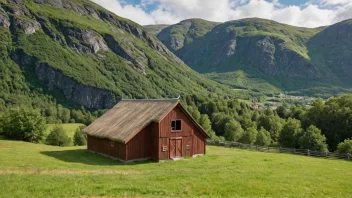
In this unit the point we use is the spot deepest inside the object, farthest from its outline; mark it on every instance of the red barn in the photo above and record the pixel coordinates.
(146, 129)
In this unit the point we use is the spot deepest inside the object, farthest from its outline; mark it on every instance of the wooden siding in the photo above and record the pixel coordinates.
(164, 155)
(189, 134)
(155, 141)
(176, 114)
(139, 146)
(198, 143)
(104, 146)
(188, 141)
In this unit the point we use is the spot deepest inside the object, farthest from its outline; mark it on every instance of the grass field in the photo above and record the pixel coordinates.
(69, 128)
(36, 170)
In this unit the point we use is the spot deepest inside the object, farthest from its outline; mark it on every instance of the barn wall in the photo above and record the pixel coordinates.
(155, 141)
(198, 143)
(104, 146)
(163, 155)
(140, 146)
(189, 133)
(176, 114)
(188, 141)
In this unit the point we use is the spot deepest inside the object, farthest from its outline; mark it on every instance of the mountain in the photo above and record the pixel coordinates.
(250, 52)
(155, 29)
(77, 53)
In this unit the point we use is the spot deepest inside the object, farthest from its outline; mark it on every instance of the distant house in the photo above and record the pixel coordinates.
(255, 106)
(146, 129)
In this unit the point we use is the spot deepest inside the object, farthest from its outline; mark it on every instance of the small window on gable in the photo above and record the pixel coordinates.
(176, 125)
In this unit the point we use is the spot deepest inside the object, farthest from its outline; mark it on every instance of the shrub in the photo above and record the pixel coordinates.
(58, 137)
(313, 139)
(249, 136)
(263, 137)
(23, 124)
(345, 146)
(233, 131)
(79, 138)
(290, 133)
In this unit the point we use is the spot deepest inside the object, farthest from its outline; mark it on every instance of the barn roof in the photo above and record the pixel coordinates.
(128, 117)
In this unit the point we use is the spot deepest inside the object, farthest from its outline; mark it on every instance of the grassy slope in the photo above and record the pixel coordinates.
(72, 172)
(185, 32)
(294, 39)
(155, 29)
(240, 79)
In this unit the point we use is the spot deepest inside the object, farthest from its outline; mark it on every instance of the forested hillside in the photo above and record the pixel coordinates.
(75, 54)
(279, 57)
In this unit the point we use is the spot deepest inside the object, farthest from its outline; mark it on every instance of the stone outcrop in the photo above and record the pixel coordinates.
(90, 41)
(28, 26)
(4, 22)
(87, 96)
(77, 92)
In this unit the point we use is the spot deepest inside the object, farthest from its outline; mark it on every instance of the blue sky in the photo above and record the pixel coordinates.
(305, 13)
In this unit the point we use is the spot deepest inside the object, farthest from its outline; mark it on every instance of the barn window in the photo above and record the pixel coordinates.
(164, 148)
(187, 147)
(112, 144)
(176, 125)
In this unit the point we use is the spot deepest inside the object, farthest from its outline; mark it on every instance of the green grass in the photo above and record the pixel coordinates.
(34, 170)
(69, 128)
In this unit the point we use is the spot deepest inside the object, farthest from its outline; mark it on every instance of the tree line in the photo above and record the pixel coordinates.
(322, 127)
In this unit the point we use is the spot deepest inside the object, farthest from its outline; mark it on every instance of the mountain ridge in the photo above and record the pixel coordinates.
(88, 55)
(280, 55)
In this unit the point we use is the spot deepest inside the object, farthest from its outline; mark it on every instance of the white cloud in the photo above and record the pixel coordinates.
(334, 2)
(312, 14)
(135, 13)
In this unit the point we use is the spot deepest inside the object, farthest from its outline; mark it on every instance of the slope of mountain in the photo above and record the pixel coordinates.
(332, 48)
(175, 37)
(80, 53)
(274, 54)
(155, 29)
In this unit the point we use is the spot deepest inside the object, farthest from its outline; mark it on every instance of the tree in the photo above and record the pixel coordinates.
(314, 113)
(248, 123)
(313, 139)
(194, 112)
(263, 137)
(204, 121)
(23, 124)
(58, 137)
(290, 133)
(345, 146)
(233, 131)
(281, 111)
(249, 136)
(2, 104)
(79, 138)
(219, 121)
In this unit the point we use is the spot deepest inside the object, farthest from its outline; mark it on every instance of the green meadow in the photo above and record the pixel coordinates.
(37, 170)
(70, 128)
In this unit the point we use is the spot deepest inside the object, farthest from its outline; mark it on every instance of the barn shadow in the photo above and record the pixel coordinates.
(83, 156)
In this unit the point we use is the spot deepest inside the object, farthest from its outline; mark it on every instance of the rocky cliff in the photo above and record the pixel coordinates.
(277, 53)
(93, 57)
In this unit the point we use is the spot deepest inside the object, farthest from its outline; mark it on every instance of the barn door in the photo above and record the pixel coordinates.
(175, 148)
